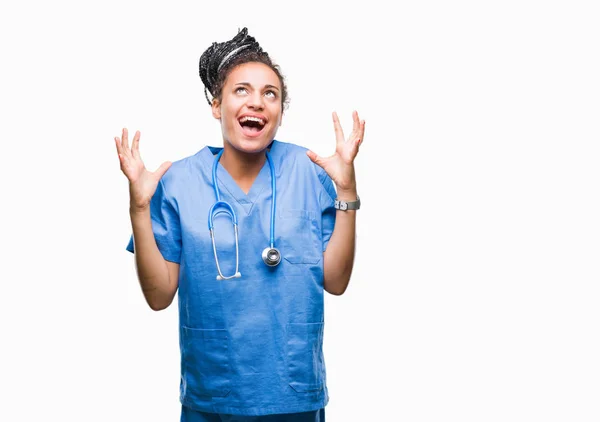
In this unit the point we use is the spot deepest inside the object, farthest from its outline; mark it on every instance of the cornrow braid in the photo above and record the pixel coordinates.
(215, 58)
(217, 61)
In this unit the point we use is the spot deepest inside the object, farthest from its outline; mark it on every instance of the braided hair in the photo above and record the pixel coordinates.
(220, 59)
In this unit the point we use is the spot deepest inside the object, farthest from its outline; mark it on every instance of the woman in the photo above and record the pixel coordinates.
(251, 293)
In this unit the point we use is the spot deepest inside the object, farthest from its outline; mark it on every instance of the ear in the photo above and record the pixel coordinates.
(216, 109)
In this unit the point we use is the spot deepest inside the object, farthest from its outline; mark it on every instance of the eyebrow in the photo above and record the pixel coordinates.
(250, 85)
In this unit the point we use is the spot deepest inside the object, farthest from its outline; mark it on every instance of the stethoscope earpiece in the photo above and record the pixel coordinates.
(271, 257)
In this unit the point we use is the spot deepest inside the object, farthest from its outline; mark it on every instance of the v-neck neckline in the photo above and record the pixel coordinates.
(226, 183)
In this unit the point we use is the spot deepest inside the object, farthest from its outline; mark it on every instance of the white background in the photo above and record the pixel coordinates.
(476, 286)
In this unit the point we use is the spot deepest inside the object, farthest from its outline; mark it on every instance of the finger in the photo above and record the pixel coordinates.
(356, 121)
(361, 134)
(160, 172)
(135, 145)
(352, 147)
(339, 133)
(123, 160)
(318, 160)
(355, 147)
(124, 141)
(118, 143)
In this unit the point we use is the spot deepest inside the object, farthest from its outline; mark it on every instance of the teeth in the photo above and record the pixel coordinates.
(253, 119)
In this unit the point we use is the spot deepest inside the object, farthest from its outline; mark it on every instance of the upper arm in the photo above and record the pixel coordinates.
(165, 225)
(173, 268)
(327, 197)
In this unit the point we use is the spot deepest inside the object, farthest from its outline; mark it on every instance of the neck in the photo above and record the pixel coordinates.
(242, 167)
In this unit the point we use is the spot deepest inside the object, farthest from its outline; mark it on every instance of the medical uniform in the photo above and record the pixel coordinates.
(251, 345)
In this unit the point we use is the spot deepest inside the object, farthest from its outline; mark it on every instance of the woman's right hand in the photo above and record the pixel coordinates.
(142, 183)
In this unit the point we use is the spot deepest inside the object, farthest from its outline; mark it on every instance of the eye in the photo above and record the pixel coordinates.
(271, 94)
(240, 90)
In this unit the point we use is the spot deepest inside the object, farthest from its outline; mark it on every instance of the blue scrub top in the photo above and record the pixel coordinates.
(251, 345)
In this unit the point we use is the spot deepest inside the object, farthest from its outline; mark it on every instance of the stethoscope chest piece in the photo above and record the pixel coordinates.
(271, 256)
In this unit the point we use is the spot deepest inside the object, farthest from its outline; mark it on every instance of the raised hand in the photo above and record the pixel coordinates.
(142, 183)
(340, 166)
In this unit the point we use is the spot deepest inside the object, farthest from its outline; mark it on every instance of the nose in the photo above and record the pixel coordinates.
(255, 101)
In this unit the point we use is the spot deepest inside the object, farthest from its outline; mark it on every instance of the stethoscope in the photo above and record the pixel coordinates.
(270, 255)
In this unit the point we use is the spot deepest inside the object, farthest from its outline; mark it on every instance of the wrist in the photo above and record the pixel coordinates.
(135, 211)
(347, 194)
(343, 203)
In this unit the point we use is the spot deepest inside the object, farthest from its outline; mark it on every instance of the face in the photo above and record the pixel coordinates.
(250, 109)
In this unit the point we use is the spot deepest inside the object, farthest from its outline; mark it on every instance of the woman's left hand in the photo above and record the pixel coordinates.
(340, 166)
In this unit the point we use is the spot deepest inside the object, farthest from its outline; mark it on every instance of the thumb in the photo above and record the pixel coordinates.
(318, 160)
(159, 173)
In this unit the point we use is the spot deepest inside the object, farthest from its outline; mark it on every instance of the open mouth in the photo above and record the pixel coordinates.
(252, 125)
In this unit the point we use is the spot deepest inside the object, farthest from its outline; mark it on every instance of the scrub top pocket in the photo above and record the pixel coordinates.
(299, 236)
(205, 361)
(306, 368)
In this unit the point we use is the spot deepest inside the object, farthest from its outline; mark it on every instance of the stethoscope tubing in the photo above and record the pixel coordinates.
(223, 207)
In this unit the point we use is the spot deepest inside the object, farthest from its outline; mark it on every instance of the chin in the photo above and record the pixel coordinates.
(251, 144)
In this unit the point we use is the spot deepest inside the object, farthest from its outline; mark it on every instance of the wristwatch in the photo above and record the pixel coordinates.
(344, 206)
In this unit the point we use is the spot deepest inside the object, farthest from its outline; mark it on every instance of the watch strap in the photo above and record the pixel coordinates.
(347, 205)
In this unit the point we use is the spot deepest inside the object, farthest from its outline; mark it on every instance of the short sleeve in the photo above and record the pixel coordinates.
(165, 225)
(327, 200)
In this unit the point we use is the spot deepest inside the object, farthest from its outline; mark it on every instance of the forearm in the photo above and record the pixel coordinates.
(152, 269)
(338, 259)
